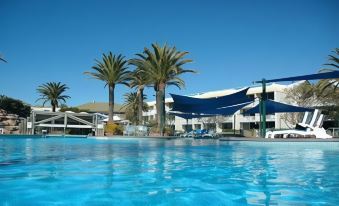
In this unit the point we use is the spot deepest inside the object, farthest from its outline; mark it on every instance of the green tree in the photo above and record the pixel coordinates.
(14, 106)
(163, 65)
(112, 70)
(307, 94)
(53, 92)
(304, 95)
(131, 106)
(140, 80)
(334, 66)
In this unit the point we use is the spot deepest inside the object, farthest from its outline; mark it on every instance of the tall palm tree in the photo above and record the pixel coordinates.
(131, 106)
(112, 70)
(334, 63)
(139, 79)
(163, 65)
(53, 92)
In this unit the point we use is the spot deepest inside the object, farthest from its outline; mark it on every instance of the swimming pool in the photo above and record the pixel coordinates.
(131, 171)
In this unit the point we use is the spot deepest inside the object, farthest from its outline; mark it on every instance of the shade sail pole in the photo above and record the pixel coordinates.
(234, 124)
(263, 105)
(186, 125)
(260, 117)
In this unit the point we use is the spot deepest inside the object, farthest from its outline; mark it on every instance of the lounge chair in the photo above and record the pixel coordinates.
(305, 129)
(187, 134)
(305, 123)
(209, 134)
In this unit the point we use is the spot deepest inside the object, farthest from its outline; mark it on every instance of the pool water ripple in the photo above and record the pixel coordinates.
(57, 171)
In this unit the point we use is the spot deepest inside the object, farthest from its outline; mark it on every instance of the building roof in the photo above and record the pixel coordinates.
(100, 107)
(43, 108)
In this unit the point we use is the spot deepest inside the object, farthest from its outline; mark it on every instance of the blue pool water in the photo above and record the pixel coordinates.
(75, 171)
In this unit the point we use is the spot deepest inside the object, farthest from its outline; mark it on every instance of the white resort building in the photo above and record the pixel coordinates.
(238, 121)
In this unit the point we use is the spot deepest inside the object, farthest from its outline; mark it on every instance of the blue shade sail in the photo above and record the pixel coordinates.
(277, 107)
(323, 75)
(198, 105)
(230, 110)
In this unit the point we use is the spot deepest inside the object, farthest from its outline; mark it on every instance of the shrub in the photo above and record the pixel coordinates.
(169, 131)
(113, 129)
(14, 106)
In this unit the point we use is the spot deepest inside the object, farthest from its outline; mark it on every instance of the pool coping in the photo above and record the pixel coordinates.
(276, 140)
(82, 136)
(225, 139)
(133, 137)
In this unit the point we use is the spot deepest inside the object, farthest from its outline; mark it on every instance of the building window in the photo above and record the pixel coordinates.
(227, 125)
(249, 125)
(245, 125)
(255, 125)
(251, 97)
(210, 126)
(270, 124)
(197, 126)
(270, 95)
(244, 114)
(187, 127)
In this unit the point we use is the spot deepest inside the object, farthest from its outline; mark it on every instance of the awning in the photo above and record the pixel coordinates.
(230, 110)
(323, 75)
(186, 104)
(278, 107)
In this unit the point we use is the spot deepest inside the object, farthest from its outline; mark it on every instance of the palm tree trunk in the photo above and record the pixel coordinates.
(141, 104)
(110, 103)
(53, 107)
(158, 111)
(157, 102)
(161, 116)
(164, 108)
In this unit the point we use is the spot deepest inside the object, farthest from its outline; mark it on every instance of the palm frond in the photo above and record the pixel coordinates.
(112, 69)
(325, 84)
(2, 59)
(52, 92)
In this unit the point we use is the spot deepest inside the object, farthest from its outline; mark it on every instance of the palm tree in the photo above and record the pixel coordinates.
(53, 92)
(131, 106)
(112, 70)
(334, 62)
(2, 59)
(163, 65)
(139, 79)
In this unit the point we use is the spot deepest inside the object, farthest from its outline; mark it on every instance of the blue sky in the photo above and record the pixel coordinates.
(232, 43)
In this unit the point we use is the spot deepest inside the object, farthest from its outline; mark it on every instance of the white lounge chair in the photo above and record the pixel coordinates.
(309, 120)
(313, 129)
